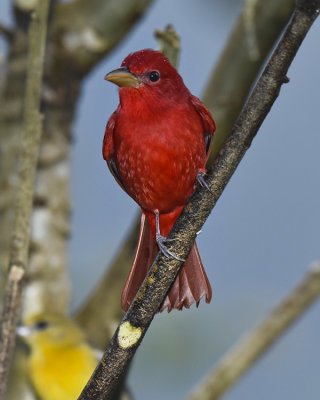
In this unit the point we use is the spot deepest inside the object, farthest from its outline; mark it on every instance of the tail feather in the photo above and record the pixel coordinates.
(190, 285)
(146, 252)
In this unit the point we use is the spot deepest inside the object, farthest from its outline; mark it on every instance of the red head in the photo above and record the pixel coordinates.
(148, 73)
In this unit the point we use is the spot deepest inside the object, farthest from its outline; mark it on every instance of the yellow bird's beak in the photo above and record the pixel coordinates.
(123, 78)
(23, 331)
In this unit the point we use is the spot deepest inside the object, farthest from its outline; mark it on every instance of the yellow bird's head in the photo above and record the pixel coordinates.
(60, 361)
(50, 330)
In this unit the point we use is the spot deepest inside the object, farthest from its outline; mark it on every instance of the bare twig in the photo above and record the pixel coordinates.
(5, 32)
(136, 321)
(240, 358)
(28, 161)
(169, 44)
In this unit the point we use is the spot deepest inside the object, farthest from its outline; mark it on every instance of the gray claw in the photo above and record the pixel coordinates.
(202, 182)
(163, 248)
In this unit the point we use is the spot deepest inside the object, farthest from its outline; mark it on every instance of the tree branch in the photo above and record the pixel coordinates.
(86, 30)
(28, 162)
(103, 309)
(241, 357)
(5, 32)
(136, 321)
(169, 44)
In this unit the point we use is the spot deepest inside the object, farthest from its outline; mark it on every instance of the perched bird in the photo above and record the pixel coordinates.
(60, 361)
(156, 145)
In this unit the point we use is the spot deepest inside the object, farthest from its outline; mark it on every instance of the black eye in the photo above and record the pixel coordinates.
(154, 76)
(41, 325)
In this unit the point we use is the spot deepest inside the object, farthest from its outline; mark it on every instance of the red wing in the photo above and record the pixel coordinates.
(207, 120)
(108, 149)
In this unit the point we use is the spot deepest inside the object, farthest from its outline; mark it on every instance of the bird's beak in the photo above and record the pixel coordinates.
(23, 331)
(123, 78)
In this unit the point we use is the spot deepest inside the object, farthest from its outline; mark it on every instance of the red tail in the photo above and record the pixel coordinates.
(190, 285)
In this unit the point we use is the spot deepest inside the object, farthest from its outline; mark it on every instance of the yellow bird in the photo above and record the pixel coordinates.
(60, 361)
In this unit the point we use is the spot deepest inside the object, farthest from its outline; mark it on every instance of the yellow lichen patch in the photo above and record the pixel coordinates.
(150, 280)
(128, 335)
(141, 292)
(155, 268)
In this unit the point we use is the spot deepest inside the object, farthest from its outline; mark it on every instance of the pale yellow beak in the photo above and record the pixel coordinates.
(123, 78)
(23, 331)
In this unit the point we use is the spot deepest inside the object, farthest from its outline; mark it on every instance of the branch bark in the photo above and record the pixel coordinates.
(28, 162)
(136, 321)
(240, 358)
(11, 111)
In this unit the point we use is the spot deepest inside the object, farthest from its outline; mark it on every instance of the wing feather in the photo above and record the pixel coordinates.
(207, 120)
(108, 148)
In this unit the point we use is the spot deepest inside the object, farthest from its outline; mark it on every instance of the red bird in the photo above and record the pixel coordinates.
(156, 145)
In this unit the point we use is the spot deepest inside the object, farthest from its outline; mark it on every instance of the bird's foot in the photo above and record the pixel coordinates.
(201, 181)
(162, 239)
(163, 248)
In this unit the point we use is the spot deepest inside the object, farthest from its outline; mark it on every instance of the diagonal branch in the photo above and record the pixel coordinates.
(136, 321)
(241, 357)
(5, 32)
(30, 148)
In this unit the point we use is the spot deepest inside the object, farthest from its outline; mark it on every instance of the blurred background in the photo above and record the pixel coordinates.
(259, 241)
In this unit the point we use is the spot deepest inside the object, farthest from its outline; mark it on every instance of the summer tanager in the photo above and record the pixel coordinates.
(156, 145)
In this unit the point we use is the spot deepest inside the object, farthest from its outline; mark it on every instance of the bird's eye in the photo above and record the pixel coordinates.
(41, 325)
(154, 76)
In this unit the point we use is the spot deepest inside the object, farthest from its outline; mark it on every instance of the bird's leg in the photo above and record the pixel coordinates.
(200, 179)
(161, 240)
